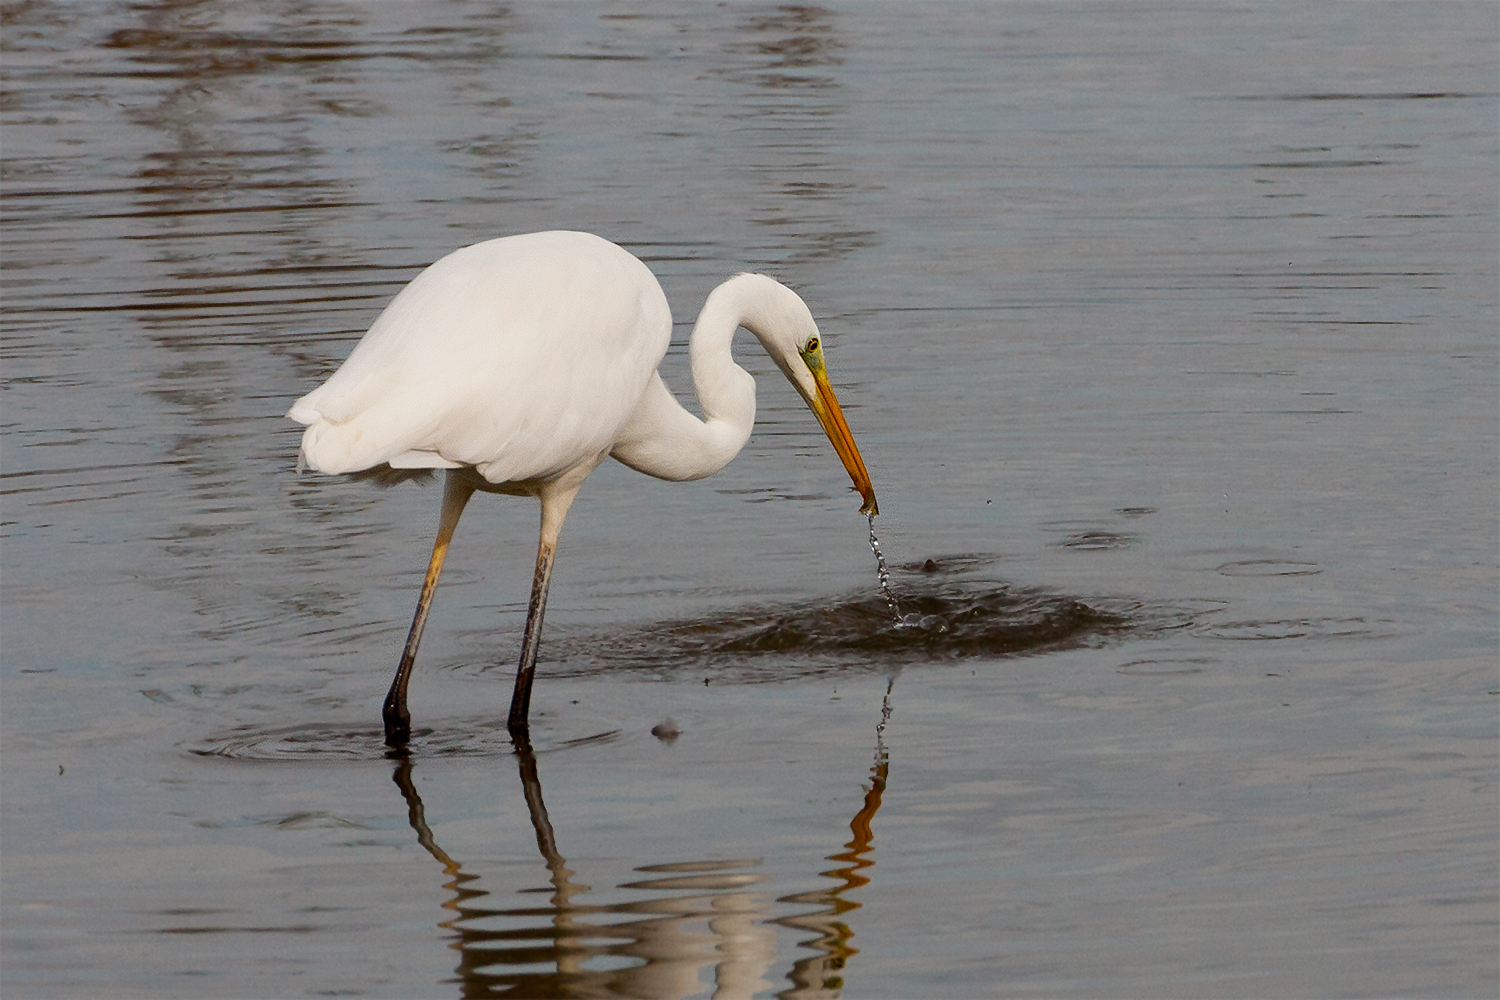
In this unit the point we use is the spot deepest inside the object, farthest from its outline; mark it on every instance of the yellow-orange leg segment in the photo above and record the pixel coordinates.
(458, 486)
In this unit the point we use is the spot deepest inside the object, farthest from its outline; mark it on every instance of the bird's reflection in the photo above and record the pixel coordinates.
(694, 914)
(821, 974)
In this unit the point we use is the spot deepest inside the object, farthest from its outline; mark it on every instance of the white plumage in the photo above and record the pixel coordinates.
(520, 363)
(451, 373)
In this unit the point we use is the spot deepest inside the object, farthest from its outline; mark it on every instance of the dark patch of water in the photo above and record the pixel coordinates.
(943, 618)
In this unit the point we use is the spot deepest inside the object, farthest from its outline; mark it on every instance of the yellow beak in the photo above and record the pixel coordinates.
(826, 408)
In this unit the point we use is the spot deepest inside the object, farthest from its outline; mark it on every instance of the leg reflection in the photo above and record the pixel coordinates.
(416, 815)
(679, 921)
(672, 933)
(485, 952)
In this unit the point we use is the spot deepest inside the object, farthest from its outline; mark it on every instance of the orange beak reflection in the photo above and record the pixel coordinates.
(826, 408)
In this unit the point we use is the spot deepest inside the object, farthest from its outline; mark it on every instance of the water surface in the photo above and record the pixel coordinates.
(1167, 333)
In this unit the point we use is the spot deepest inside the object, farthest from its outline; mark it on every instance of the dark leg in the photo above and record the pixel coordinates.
(556, 498)
(520, 702)
(457, 488)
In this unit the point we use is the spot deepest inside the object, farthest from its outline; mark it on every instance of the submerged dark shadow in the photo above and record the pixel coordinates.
(688, 916)
(946, 614)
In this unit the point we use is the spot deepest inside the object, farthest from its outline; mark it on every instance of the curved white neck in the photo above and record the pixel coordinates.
(663, 439)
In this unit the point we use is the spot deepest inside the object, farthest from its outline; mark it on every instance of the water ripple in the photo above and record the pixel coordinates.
(324, 742)
(943, 619)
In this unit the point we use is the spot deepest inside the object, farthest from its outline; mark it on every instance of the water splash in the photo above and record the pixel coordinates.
(884, 573)
(948, 613)
(930, 623)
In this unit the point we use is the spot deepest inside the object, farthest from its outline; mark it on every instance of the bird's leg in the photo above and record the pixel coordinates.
(520, 702)
(555, 504)
(457, 488)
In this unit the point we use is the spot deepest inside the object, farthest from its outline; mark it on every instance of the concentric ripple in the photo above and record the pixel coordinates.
(479, 737)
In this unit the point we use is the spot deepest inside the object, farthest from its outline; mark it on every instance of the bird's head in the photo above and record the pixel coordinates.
(786, 328)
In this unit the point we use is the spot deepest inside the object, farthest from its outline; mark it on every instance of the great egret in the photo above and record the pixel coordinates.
(519, 364)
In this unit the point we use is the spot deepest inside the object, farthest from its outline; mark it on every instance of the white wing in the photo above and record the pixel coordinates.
(521, 356)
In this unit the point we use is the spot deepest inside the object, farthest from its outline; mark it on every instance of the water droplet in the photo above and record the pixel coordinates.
(885, 717)
(884, 573)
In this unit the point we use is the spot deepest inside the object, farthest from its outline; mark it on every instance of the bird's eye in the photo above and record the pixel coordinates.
(812, 345)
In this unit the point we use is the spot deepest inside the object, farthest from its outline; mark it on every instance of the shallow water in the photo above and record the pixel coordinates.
(1167, 333)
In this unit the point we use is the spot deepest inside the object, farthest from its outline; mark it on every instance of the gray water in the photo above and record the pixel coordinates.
(1168, 333)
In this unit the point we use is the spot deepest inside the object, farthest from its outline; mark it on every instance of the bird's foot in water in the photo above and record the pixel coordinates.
(397, 728)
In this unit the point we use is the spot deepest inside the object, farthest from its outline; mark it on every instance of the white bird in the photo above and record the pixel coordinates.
(519, 364)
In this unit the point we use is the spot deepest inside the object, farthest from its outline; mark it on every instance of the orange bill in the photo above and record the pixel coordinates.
(826, 408)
